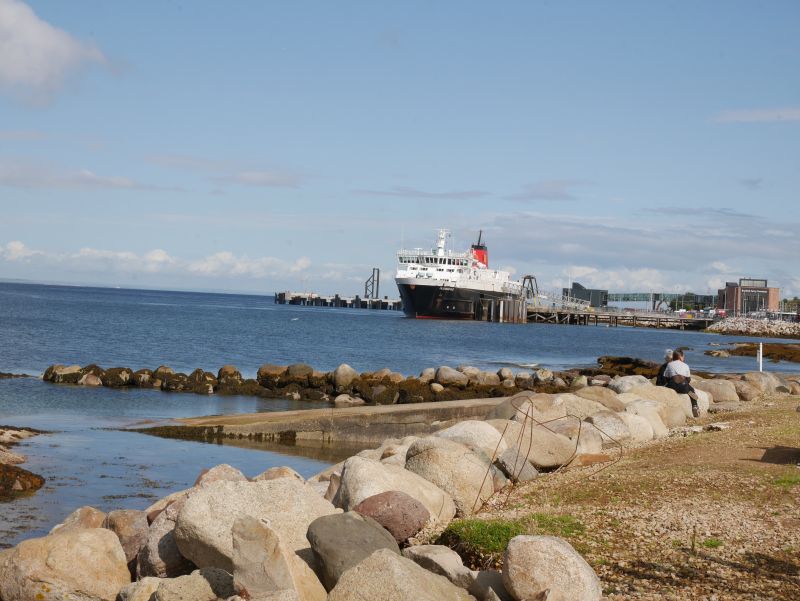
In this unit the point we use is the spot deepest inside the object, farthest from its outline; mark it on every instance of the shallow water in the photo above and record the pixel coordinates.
(86, 460)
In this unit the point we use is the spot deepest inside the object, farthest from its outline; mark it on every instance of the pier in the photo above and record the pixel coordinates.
(312, 299)
(610, 318)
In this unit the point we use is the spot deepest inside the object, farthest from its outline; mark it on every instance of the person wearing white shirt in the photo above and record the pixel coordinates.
(678, 375)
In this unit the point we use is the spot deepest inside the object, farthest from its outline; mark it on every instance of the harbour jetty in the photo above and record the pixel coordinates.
(312, 299)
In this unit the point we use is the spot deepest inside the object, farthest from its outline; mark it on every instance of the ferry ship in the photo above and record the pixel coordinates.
(442, 284)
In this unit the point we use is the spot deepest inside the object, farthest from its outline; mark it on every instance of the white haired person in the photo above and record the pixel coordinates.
(660, 379)
(678, 377)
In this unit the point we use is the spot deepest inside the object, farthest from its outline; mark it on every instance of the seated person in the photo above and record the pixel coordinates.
(678, 377)
(660, 379)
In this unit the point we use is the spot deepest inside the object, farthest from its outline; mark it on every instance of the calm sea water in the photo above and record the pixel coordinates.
(87, 462)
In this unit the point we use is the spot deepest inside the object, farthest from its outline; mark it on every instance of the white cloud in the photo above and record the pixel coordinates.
(17, 251)
(36, 58)
(768, 115)
(269, 179)
(554, 189)
(32, 175)
(156, 261)
(408, 192)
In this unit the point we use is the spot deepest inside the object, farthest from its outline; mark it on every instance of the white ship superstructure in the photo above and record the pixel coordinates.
(442, 283)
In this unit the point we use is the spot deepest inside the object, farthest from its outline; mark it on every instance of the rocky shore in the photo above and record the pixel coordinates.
(14, 480)
(743, 326)
(357, 530)
(344, 386)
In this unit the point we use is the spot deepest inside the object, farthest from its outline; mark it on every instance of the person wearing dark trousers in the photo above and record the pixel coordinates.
(678, 376)
(660, 379)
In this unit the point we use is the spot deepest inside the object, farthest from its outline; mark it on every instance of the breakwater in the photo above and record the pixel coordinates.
(344, 386)
(743, 326)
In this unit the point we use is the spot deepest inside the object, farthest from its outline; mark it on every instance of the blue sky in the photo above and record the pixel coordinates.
(260, 146)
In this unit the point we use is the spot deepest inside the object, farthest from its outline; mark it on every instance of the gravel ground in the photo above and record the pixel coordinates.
(710, 516)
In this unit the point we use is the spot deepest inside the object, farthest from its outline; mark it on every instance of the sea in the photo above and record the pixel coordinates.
(88, 458)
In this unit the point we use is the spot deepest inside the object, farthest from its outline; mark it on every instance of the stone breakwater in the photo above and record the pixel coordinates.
(742, 326)
(352, 532)
(14, 480)
(343, 386)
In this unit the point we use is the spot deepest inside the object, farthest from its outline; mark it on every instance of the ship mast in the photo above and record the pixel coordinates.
(441, 242)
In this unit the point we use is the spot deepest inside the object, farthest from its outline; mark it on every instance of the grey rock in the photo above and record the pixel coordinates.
(204, 525)
(514, 465)
(388, 576)
(343, 540)
(131, 527)
(263, 566)
(363, 478)
(461, 472)
(343, 377)
(208, 584)
(536, 567)
(159, 556)
(447, 376)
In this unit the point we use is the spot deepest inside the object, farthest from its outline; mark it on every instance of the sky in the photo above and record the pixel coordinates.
(262, 146)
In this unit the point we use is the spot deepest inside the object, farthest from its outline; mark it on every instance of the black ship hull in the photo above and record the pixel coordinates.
(445, 302)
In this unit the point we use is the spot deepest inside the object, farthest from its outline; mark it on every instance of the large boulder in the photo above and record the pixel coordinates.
(159, 556)
(515, 466)
(611, 427)
(747, 391)
(219, 473)
(721, 391)
(544, 448)
(586, 439)
(262, 565)
(204, 525)
(547, 567)
(649, 410)
(455, 468)
(131, 527)
(83, 564)
(141, 590)
(620, 384)
(15, 480)
(276, 472)
(604, 396)
(117, 377)
(343, 377)
(447, 376)
(640, 428)
(387, 576)
(83, 517)
(477, 435)
(362, 478)
(401, 514)
(269, 375)
(343, 540)
(208, 584)
(537, 407)
(765, 381)
(443, 561)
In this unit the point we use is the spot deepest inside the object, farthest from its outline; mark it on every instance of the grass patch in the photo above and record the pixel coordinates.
(712, 543)
(557, 525)
(481, 543)
(485, 537)
(787, 481)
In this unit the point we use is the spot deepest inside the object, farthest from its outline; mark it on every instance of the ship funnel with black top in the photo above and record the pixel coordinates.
(479, 251)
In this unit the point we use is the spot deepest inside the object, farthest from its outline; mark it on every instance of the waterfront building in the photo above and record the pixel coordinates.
(748, 295)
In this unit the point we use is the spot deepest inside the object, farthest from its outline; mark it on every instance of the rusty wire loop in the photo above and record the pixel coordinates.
(534, 423)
